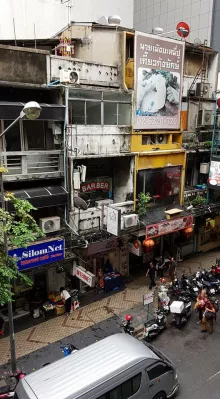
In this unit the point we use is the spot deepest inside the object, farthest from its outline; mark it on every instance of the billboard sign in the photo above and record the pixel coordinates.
(38, 254)
(168, 226)
(158, 82)
(214, 173)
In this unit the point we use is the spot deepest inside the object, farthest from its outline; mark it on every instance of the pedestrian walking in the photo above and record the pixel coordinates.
(151, 274)
(160, 267)
(172, 269)
(208, 317)
(65, 296)
(200, 305)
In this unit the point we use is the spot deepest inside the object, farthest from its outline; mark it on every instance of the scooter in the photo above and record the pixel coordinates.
(214, 282)
(181, 310)
(163, 296)
(11, 380)
(201, 283)
(155, 326)
(126, 326)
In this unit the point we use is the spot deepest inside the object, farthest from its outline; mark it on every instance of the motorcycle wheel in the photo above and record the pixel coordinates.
(148, 339)
(11, 382)
(178, 321)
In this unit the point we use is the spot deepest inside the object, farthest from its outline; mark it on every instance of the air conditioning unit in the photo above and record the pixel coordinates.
(69, 76)
(161, 139)
(49, 225)
(105, 202)
(130, 220)
(205, 118)
(203, 89)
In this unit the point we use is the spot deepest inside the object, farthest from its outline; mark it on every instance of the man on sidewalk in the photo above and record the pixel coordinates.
(151, 274)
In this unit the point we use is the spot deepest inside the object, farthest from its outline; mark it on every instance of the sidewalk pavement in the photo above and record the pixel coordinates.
(39, 336)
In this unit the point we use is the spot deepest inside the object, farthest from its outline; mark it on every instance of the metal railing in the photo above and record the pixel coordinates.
(22, 164)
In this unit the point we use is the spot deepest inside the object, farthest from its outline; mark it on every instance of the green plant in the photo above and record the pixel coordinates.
(21, 229)
(198, 200)
(142, 203)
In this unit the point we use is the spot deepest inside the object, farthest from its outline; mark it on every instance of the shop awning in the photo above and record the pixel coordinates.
(42, 197)
(50, 112)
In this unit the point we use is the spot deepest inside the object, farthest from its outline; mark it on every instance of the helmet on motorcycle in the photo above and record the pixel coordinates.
(128, 317)
(163, 280)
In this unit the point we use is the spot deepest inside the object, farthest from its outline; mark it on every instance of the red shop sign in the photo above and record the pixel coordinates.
(95, 186)
(168, 226)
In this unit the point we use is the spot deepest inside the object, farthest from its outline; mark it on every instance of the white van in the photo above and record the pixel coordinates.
(117, 367)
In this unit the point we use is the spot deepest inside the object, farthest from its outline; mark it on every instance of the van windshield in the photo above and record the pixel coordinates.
(158, 353)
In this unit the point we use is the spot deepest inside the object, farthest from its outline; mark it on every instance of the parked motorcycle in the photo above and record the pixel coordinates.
(214, 282)
(11, 380)
(201, 283)
(155, 326)
(163, 296)
(126, 326)
(181, 310)
(183, 287)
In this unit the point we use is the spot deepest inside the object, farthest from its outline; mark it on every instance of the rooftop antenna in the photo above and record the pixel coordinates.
(14, 32)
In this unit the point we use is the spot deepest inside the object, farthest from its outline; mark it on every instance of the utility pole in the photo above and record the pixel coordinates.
(10, 310)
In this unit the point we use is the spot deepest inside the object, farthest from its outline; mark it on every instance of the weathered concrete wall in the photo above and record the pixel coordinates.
(98, 140)
(90, 73)
(22, 65)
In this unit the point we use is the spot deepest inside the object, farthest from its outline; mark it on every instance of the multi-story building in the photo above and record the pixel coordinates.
(22, 19)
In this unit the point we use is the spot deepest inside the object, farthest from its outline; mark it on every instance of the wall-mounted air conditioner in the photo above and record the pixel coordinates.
(161, 138)
(130, 220)
(203, 89)
(69, 76)
(105, 202)
(205, 118)
(50, 224)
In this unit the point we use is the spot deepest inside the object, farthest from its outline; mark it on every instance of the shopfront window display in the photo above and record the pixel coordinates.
(163, 184)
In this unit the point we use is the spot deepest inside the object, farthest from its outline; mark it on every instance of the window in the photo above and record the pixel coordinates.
(125, 390)
(98, 108)
(110, 114)
(163, 184)
(93, 113)
(77, 112)
(158, 370)
(38, 135)
(12, 137)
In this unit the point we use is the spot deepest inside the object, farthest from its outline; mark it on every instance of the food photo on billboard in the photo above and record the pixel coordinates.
(158, 82)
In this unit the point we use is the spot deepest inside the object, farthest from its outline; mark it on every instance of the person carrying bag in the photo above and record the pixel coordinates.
(208, 316)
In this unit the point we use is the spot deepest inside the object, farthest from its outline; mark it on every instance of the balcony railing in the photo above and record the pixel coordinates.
(32, 164)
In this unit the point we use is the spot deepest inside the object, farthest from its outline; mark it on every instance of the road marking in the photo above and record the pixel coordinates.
(213, 376)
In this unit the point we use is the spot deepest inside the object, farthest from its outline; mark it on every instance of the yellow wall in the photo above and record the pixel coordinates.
(174, 141)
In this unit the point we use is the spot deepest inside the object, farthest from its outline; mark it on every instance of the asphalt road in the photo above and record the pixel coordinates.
(195, 355)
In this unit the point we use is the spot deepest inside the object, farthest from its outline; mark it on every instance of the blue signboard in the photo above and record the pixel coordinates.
(38, 254)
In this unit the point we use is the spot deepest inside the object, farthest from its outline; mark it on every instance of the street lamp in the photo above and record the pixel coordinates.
(31, 111)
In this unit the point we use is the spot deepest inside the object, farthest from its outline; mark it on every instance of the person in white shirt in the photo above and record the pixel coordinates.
(65, 296)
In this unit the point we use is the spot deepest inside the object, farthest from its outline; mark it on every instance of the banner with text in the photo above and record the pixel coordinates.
(158, 82)
(38, 254)
(168, 226)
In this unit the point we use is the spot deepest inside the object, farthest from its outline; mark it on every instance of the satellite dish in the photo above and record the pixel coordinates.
(157, 31)
(80, 203)
(197, 42)
(114, 20)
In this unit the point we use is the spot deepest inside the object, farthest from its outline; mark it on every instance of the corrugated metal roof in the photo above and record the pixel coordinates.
(86, 369)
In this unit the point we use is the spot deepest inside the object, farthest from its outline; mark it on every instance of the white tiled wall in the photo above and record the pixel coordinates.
(149, 14)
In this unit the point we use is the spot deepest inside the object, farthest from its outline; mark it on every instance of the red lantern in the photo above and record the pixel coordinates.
(136, 244)
(149, 244)
(188, 231)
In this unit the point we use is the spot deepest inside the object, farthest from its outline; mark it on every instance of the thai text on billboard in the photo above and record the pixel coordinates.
(158, 82)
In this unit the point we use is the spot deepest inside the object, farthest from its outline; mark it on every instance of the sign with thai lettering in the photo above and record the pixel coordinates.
(85, 276)
(38, 254)
(168, 226)
(158, 82)
(148, 298)
(94, 186)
